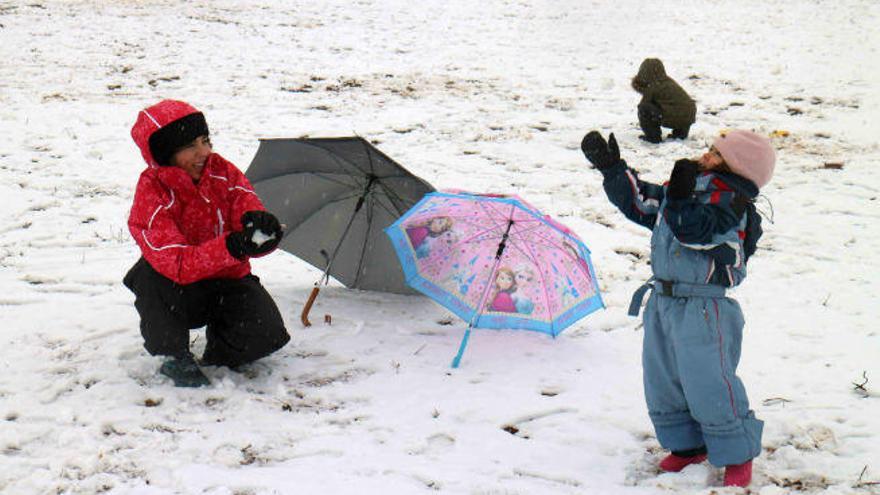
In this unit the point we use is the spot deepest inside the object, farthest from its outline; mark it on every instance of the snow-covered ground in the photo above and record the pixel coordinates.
(488, 96)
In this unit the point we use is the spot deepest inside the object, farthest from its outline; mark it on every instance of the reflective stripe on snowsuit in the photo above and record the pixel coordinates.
(690, 353)
(693, 334)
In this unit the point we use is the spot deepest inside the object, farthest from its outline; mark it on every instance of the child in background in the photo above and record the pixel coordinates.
(704, 229)
(664, 103)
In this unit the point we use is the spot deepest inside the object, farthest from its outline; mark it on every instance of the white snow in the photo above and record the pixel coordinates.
(260, 237)
(489, 96)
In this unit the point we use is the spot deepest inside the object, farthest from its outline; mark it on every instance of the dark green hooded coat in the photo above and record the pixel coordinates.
(679, 110)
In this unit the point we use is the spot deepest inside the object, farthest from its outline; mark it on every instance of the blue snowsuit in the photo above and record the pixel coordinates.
(693, 334)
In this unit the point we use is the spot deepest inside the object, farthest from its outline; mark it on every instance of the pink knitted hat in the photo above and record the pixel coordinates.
(747, 154)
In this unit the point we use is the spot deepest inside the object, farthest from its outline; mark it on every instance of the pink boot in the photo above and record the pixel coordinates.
(738, 475)
(674, 463)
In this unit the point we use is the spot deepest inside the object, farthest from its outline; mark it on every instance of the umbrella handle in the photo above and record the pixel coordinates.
(304, 317)
(464, 342)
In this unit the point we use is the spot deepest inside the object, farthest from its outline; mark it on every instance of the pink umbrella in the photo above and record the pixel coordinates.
(495, 261)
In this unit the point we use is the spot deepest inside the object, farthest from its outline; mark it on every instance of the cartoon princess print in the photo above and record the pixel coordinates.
(524, 277)
(421, 236)
(505, 286)
(567, 289)
(581, 262)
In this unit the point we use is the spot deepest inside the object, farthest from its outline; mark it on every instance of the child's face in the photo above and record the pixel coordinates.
(711, 159)
(191, 158)
(504, 280)
(438, 224)
(523, 277)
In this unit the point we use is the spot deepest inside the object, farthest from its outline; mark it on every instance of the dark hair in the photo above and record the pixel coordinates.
(723, 167)
(165, 142)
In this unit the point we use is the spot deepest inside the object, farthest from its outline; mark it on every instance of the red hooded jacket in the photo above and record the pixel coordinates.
(181, 226)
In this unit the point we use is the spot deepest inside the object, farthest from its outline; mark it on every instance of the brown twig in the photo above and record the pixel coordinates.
(861, 386)
(859, 483)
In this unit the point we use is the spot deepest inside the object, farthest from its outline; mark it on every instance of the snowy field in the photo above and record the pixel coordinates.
(489, 96)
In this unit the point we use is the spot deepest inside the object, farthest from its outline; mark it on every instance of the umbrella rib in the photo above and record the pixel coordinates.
(464, 219)
(391, 194)
(406, 174)
(338, 159)
(467, 218)
(485, 231)
(537, 224)
(458, 243)
(338, 245)
(324, 205)
(548, 242)
(475, 235)
(541, 239)
(370, 152)
(553, 245)
(521, 245)
(385, 207)
(496, 208)
(496, 228)
(369, 213)
(323, 175)
(544, 284)
(483, 207)
(364, 195)
(547, 245)
(500, 253)
(369, 155)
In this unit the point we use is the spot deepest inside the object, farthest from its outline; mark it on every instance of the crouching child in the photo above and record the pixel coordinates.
(197, 222)
(664, 103)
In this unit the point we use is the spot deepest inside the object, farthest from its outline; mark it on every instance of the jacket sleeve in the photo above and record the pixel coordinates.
(241, 195)
(155, 230)
(648, 94)
(637, 200)
(707, 222)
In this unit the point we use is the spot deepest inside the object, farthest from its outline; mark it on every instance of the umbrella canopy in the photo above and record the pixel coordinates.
(496, 262)
(336, 195)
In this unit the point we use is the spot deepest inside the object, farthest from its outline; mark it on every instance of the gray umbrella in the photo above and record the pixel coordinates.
(335, 196)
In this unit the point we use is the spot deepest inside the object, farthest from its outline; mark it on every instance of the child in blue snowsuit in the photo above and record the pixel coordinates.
(704, 228)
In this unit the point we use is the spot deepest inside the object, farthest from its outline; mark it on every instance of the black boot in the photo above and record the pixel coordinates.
(650, 118)
(184, 371)
(679, 133)
(211, 362)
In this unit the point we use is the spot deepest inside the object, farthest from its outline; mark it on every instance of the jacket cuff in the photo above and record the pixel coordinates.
(618, 168)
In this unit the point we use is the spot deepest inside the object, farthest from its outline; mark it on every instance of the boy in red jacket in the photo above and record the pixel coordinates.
(197, 221)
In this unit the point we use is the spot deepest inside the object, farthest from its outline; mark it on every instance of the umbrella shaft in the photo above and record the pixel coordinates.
(357, 208)
(503, 243)
(501, 246)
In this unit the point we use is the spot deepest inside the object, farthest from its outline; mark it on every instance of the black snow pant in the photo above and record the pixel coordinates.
(243, 322)
(650, 120)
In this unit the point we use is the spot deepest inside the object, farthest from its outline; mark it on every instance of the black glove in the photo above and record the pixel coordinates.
(262, 223)
(683, 179)
(601, 154)
(740, 204)
(262, 220)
